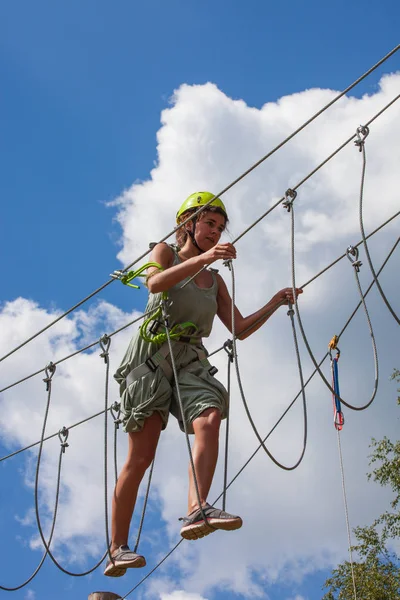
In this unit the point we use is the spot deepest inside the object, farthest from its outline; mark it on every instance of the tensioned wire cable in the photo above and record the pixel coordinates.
(300, 183)
(234, 241)
(264, 317)
(254, 166)
(254, 453)
(270, 432)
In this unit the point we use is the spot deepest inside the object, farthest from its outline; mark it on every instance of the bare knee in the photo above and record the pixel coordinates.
(139, 462)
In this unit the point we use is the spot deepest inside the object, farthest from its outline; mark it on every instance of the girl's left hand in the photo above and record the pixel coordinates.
(286, 295)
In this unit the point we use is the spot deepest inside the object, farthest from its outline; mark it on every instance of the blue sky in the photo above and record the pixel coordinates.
(83, 88)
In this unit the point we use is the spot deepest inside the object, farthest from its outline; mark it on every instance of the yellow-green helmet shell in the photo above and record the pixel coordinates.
(200, 199)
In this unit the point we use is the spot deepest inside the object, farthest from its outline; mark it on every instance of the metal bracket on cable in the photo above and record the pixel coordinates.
(362, 132)
(63, 436)
(115, 410)
(290, 312)
(228, 263)
(353, 251)
(49, 370)
(228, 347)
(105, 342)
(290, 196)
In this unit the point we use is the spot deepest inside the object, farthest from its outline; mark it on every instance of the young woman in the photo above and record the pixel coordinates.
(147, 386)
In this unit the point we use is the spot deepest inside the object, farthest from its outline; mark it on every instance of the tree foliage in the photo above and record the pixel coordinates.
(377, 567)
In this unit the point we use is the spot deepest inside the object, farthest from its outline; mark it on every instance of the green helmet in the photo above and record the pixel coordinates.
(200, 199)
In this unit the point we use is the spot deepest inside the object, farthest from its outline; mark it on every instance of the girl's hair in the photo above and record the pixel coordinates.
(182, 234)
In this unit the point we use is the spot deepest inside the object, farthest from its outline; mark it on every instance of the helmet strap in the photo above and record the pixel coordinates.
(191, 234)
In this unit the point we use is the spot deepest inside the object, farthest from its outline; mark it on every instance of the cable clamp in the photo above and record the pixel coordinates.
(290, 312)
(290, 196)
(228, 263)
(117, 274)
(115, 410)
(49, 370)
(228, 347)
(362, 132)
(63, 436)
(353, 251)
(105, 342)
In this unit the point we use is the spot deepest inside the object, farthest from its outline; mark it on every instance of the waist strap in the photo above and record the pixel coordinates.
(159, 359)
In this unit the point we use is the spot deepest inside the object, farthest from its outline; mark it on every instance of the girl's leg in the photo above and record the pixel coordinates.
(205, 455)
(142, 448)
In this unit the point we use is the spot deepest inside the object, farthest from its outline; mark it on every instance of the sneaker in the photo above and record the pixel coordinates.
(195, 527)
(123, 559)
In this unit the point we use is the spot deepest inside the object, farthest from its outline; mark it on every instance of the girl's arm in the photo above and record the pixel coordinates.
(160, 281)
(251, 323)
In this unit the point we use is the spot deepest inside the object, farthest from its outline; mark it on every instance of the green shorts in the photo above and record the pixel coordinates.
(154, 392)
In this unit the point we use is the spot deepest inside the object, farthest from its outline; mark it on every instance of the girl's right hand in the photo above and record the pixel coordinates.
(225, 251)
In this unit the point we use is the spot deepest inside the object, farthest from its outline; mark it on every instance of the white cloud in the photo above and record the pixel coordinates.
(30, 595)
(293, 521)
(181, 595)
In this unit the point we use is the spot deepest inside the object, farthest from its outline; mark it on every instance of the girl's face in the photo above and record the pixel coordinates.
(209, 229)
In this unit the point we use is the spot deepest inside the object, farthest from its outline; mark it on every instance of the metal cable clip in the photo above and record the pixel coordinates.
(117, 274)
(290, 312)
(63, 436)
(105, 342)
(353, 251)
(290, 196)
(49, 370)
(228, 347)
(115, 415)
(362, 132)
(228, 263)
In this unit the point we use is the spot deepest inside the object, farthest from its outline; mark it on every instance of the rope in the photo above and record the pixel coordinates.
(50, 370)
(178, 393)
(228, 348)
(226, 487)
(346, 512)
(105, 342)
(358, 408)
(253, 425)
(19, 587)
(144, 506)
(254, 166)
(222, 347)
(58, 362)
(360, 142)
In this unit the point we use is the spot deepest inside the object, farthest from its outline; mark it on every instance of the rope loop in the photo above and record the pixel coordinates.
(63, 436)
(105, 342)
(362, 132)
(290, 196)
(353, 251)
(50, 369)
(228, 347)
(115, 410)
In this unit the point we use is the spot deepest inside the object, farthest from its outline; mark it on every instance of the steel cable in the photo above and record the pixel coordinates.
(310, 352)
(268, 435)
(242, 394)
(254, 166)
(361, 145)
